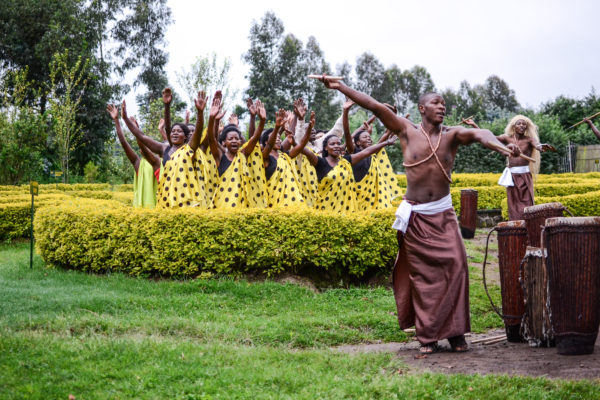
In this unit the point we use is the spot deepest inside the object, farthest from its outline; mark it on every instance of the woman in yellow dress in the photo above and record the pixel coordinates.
(375, 182)
(236, 179)
(182, 182)
(283, 186)
(336, 190)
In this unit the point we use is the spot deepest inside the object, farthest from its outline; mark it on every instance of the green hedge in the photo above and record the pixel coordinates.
(581, 205)
(100, 235)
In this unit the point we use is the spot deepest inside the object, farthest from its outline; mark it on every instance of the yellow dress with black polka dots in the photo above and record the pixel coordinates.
(211, 174)
(336, 189)
(387, 177)
(282, 187)
(255, 180)
(231, 191)
(179, 184)
(379, 186)
(307, 180)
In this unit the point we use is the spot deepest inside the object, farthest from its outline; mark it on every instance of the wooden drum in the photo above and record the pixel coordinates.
(535, 217)
(536, 321)
(468, 213)
(574, 282)
(512, 244)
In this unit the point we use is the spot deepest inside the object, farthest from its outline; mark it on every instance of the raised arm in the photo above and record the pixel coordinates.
(288, 129)
(252, 111)
(146, 153)
(200, 103)
(304, 141)
(152, 144)
(167, 97)
(592, 126)
(262, 115)
(161, 130)
(300, 113)
(279, 121)
(131, 156)
(372, 150)
(215, 108)
(346, 124)
(487, 139)
(391, 121)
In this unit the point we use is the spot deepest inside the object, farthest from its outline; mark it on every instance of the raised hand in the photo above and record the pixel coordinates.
(113, 111)
(215, 107)
(348, 104)
(251, 107)
(330, 83)
(289, 120)
(221, 113)
(187, 117)
(233, 120)
(300, 109)
(262, 112)
(124, 110)
(200, 101)
(391, 140)
(312, 118)
(161, 124)
(280, 118)
(368, 127)
(167, 96)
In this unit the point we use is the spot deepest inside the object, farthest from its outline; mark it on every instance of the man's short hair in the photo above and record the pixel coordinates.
(423, 98)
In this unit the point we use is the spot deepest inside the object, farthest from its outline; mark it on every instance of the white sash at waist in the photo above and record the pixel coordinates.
(405, 209)
(506, 177)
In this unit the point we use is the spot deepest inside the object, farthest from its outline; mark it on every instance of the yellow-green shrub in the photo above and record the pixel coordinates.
(488, 179)
(92, 236)
(15, 215)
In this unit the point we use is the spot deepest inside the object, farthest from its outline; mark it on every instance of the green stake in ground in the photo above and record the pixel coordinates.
(33, 188)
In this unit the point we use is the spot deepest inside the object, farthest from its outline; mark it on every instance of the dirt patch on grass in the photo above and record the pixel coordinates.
(501, 358)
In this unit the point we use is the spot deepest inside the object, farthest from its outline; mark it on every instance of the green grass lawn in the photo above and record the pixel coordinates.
(113, 336)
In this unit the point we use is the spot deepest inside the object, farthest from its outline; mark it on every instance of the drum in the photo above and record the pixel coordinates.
(468, 213)
(512, 244)
(535, 217)
(574, 282)
(536, 326)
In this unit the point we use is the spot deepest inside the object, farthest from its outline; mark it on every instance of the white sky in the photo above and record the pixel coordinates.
(542, 49)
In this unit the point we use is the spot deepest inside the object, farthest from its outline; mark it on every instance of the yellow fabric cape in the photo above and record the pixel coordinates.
(283, 189)
(379, 187)
(336, 189)
(179, 184)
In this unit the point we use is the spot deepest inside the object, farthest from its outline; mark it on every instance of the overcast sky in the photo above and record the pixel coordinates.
(541, 48)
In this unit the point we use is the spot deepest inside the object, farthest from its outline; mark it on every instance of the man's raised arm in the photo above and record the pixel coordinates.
(387, 117)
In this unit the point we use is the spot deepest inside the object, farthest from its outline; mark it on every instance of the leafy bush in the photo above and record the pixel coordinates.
(100, 235)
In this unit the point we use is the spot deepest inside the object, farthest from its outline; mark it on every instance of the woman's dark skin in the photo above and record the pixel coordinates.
(131, 156)
(233, 140)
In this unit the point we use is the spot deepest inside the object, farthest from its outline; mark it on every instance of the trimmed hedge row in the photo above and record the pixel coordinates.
(62, 187)
(15, 210)
(472, 180)
(581, 205)
(101, 235)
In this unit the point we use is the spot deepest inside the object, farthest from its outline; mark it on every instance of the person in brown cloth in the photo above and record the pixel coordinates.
(430, 278)
(518, 176)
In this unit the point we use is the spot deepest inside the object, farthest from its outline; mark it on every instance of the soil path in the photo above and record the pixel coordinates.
(501, 358)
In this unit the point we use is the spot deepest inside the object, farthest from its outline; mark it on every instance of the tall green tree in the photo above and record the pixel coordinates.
(279, 65)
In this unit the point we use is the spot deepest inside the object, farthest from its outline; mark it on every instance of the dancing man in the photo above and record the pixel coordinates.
(430, 278)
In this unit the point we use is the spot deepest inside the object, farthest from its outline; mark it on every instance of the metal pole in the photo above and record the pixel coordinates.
(31, 236)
